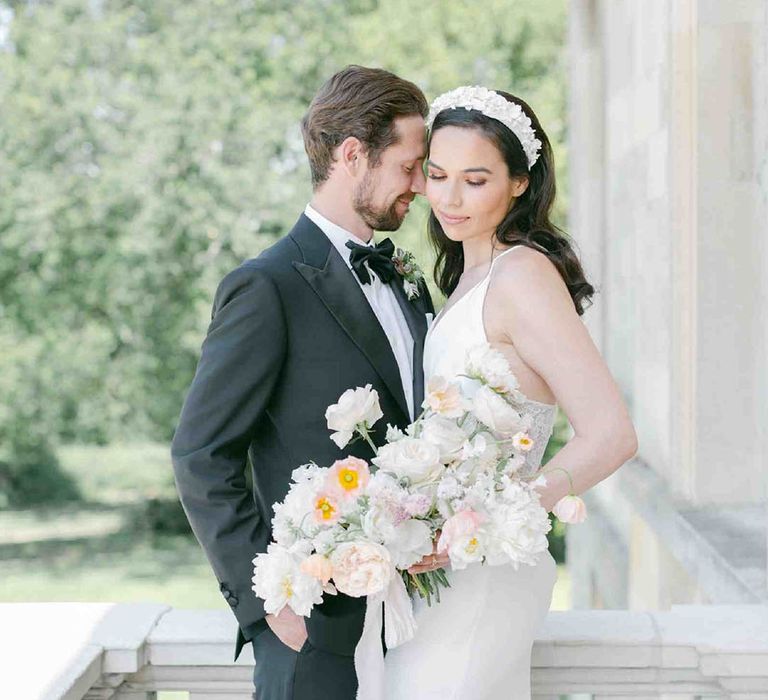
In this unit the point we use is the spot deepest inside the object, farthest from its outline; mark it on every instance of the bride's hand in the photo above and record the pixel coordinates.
(431, 562)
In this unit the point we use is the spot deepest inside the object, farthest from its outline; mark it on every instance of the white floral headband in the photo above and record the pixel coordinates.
(492, 105)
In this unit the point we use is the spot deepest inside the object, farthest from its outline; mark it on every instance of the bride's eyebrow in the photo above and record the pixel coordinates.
(467, 170)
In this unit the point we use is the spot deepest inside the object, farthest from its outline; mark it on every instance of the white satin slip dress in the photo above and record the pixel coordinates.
(476, 643)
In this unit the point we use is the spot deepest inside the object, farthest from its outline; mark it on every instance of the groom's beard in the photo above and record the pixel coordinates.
(377, 219)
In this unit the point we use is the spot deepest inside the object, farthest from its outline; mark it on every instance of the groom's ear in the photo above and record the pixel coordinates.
(351, 156)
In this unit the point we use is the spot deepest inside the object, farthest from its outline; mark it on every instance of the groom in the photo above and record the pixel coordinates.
(321, 311)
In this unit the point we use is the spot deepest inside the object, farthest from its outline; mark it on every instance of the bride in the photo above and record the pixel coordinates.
(512, 279)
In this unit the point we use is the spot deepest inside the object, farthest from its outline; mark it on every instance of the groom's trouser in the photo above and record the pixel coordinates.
(310, 674)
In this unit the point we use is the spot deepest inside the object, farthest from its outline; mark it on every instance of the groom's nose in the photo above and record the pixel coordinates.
(418, 181)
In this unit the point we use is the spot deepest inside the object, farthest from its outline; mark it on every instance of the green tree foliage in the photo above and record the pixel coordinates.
(148, 147)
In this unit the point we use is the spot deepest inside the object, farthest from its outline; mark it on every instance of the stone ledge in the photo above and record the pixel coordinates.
(138, 649)
(720, 578)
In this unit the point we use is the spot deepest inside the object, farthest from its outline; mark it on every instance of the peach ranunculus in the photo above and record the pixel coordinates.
(570, 509)
(361, 568)
(318, 566)
(457, 527)
(347, 478)
(325, 509)
(444, 397)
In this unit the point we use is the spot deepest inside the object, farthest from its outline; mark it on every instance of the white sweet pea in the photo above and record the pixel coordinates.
(513, 464)
(393, 433)
(448, 488)
(278, 579)
(355, 407)
(492, 410)
(482, 449)
(412, 458)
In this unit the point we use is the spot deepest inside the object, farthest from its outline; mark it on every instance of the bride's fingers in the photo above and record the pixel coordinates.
(431, 562)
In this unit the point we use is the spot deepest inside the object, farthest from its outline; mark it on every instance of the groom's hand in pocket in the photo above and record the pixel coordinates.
(289, 628)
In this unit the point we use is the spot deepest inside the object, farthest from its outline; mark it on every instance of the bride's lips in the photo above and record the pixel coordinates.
(453, 220)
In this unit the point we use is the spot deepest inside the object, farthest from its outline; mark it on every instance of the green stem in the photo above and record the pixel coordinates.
(363, 432)
(567, 473)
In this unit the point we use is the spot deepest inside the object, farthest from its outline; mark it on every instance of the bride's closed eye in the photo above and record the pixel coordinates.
(473, 183)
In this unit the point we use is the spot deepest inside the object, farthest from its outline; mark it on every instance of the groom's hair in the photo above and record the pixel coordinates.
(360, 102)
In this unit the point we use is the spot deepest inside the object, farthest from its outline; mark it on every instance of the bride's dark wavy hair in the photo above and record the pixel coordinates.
(527, 222)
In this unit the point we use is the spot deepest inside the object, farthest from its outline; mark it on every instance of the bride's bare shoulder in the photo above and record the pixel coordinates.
(524, 273)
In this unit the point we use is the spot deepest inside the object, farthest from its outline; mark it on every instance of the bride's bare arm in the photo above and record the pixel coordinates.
(530, 304)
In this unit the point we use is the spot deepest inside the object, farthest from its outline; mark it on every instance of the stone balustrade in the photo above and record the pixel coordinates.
(71, 651)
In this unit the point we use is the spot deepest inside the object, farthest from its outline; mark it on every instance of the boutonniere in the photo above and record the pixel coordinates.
(407, 267)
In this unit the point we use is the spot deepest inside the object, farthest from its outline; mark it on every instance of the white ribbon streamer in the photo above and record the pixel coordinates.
(399, 627)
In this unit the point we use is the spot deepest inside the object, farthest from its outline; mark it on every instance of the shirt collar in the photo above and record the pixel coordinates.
(336, 234)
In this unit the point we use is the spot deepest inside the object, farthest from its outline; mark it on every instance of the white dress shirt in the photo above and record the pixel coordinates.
(382, 300)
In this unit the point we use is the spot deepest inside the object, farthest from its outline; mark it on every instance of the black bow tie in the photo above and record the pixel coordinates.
(378, 257)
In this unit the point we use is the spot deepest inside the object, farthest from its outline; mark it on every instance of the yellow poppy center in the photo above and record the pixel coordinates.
(472, 546)
(326, 508)
(287, 587)
(348, 479)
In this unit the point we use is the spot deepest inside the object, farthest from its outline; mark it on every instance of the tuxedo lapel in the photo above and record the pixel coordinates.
(417, 324)
(325, 271)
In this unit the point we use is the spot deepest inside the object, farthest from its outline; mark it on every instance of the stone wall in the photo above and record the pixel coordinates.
(669, 204)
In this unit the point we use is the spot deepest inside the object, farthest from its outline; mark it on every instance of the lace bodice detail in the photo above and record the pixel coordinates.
(461, 327)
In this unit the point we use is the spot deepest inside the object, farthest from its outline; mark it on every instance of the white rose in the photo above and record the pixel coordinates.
(361, 568)
(448, 437)
(355, 407)
(493, 411)
(410, 457)
(489, 365)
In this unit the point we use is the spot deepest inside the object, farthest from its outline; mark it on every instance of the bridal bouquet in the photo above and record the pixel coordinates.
(451, 476)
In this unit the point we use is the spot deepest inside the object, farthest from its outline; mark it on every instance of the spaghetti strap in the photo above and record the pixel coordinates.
(477, 291)
(501, 255)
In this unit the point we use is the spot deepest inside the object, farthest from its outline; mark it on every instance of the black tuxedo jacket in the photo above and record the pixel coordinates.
(290, 331)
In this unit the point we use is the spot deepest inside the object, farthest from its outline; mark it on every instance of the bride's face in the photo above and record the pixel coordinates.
(468, 183)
